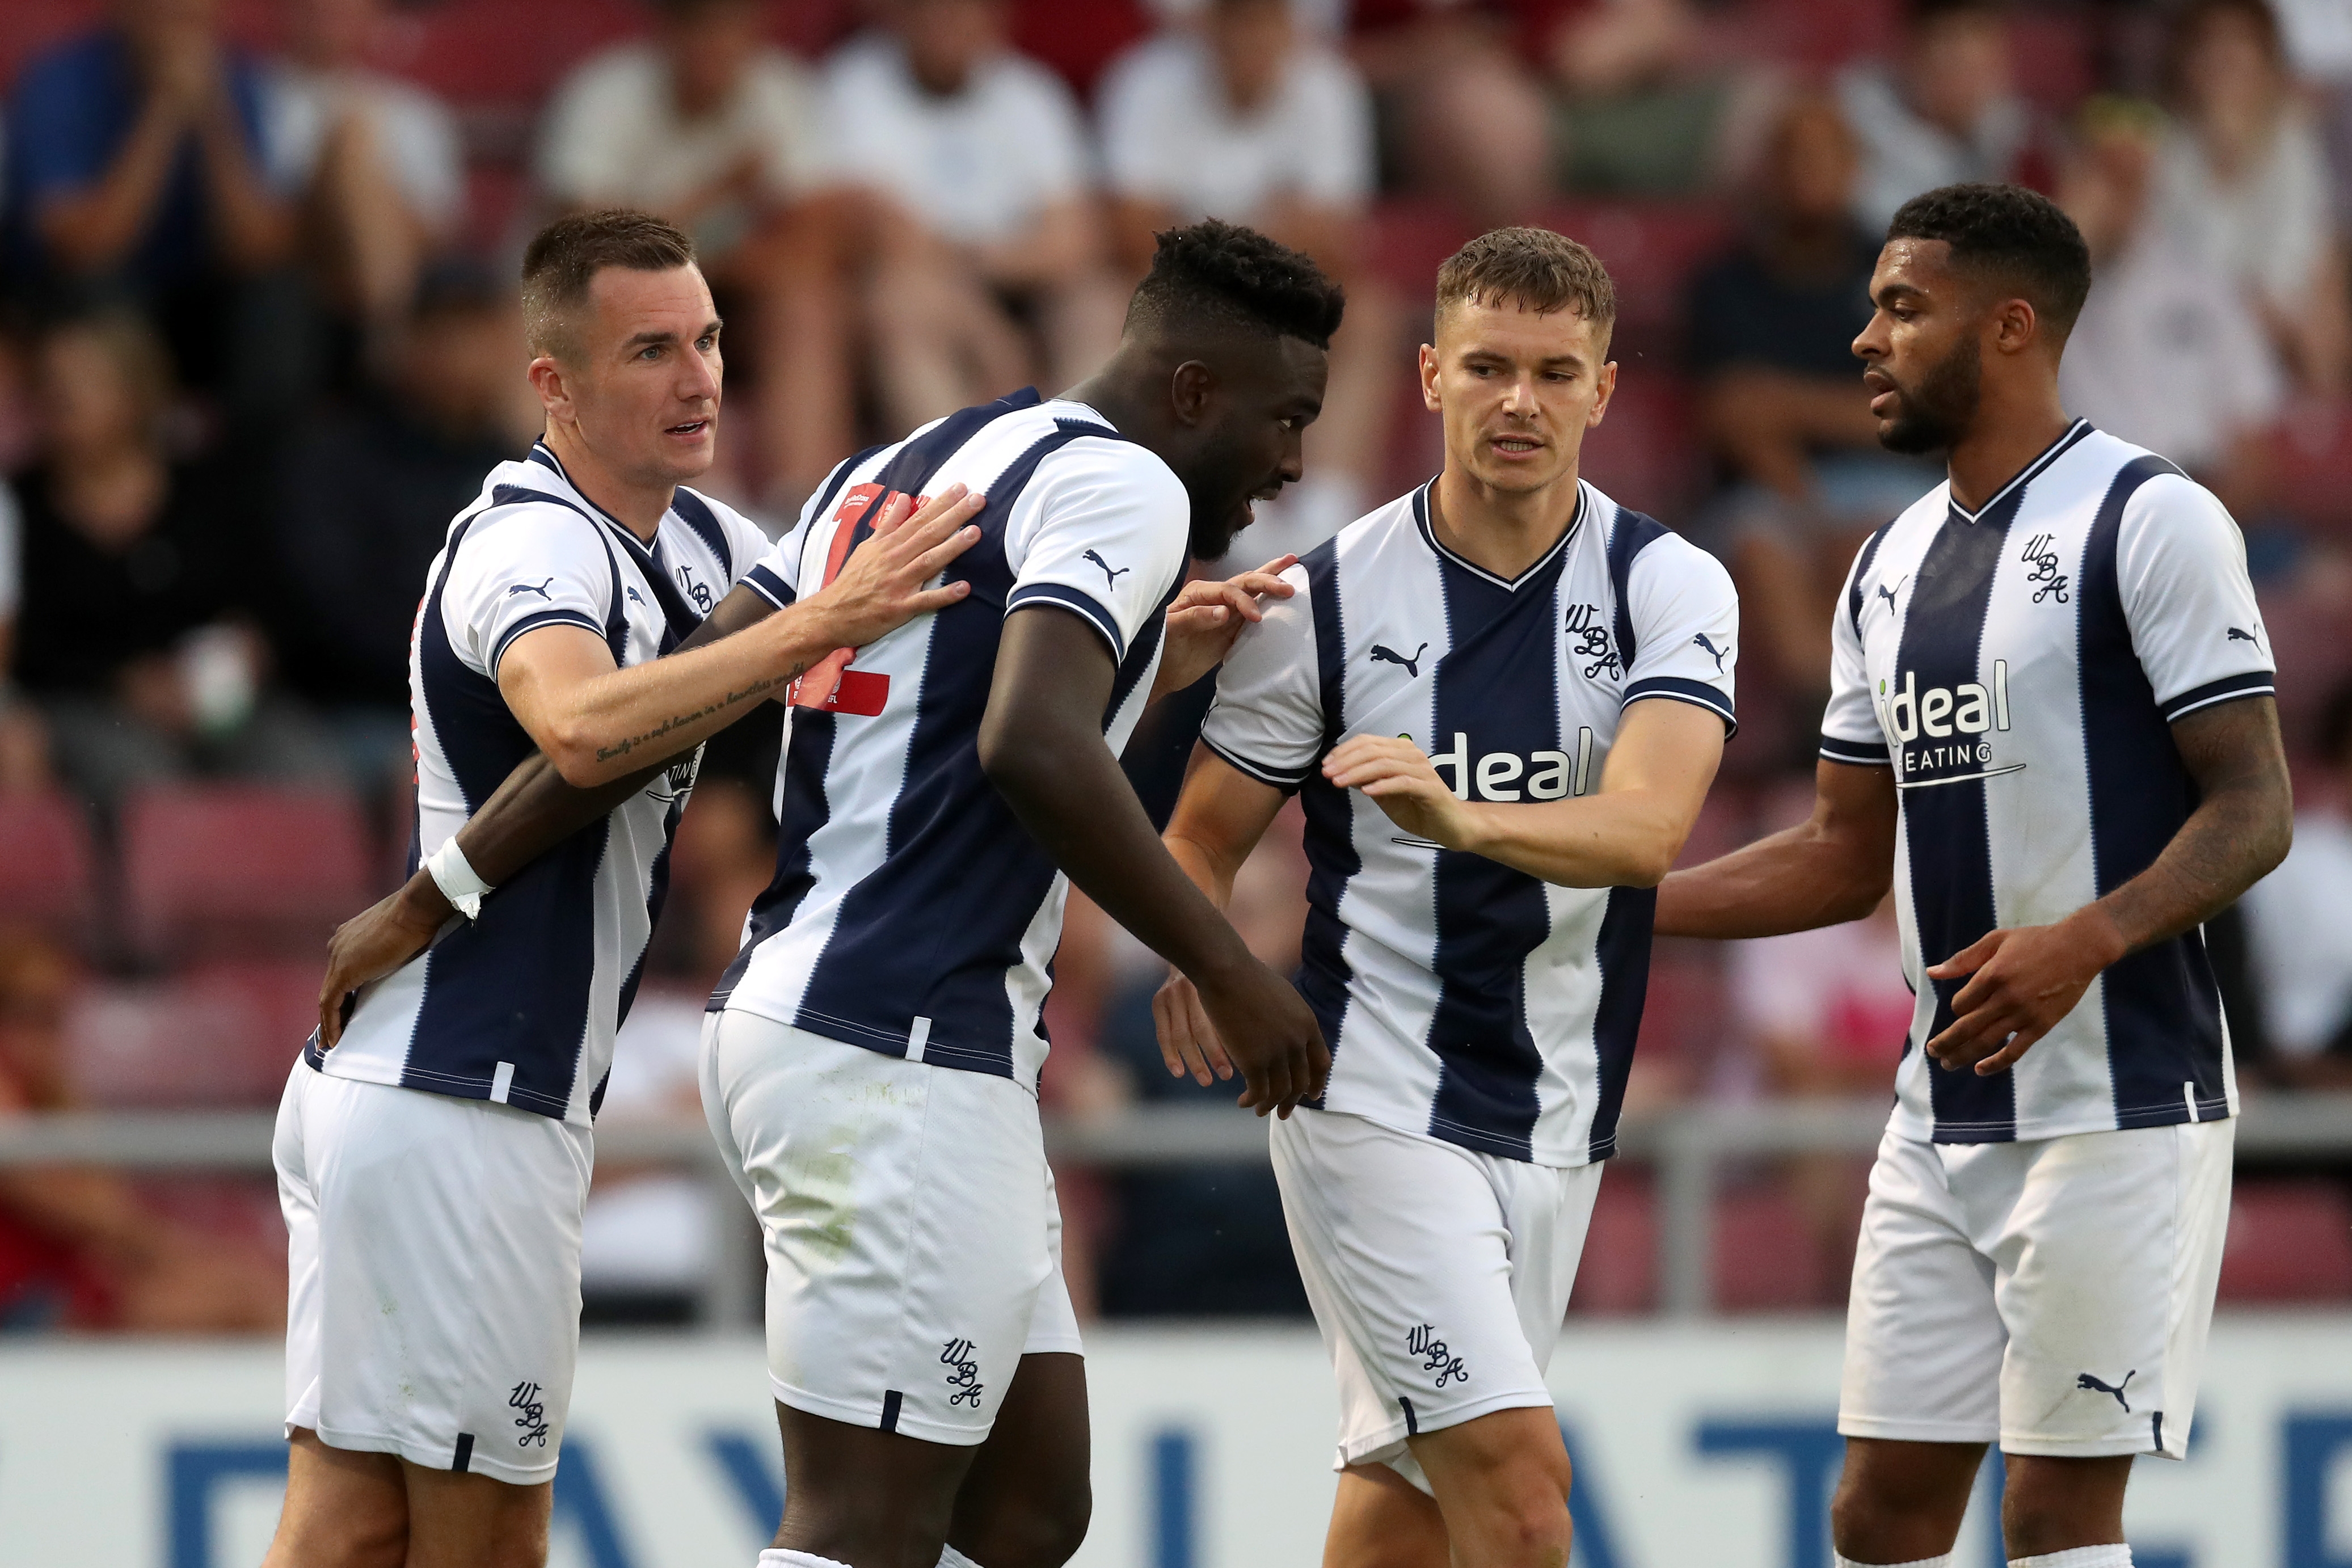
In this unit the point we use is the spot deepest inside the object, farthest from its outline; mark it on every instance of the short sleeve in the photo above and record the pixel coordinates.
(2181, 570)
(1685, 614)
(1100, 532)
(520, 568)
(1267, 719)
(1851, 733)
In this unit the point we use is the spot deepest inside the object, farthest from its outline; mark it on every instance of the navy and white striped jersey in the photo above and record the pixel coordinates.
(2019, 667)
(522, 1005)
(1462, 999)
(911, 913)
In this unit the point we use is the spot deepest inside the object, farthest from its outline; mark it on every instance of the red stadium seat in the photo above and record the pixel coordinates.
(2289, 1241)
(1765, 1258)
(240, 869)
(225, 1035)
(45, 863)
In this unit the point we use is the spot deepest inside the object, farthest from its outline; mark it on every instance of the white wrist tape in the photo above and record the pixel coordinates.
(456, 879)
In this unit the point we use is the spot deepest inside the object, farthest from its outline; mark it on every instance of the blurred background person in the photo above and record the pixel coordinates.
(1252, 119)
(2246, 175)
(1770, 329)
(375, 162)
(709, 124)
(1945, 109)
(138, 568)
(136, 169)
(979, 232)
(1827, 1011)
(2168, 353)
(364, 491)
(79, 1248)
(2298, 921)
(24, 739)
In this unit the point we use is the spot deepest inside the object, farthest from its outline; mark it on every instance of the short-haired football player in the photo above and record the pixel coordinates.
(2051, 728)
(433, 1161)
(1501, 699)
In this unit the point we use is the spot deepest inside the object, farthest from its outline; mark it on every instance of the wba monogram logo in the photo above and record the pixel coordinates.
(2050, 582)
(1424, 1342)
(533, 1419)
(964, 1373)
(1593, 643)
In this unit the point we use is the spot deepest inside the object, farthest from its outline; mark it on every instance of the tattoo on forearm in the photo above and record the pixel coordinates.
(757, 688)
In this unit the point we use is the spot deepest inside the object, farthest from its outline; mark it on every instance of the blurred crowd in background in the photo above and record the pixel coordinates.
(258, 343)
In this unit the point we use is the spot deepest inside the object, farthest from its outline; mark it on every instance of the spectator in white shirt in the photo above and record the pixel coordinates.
(2168, 353)
(714, 128)
(377, 159)
(2246, 175)
(1947, 111)
(1246, 120)
(979, 237)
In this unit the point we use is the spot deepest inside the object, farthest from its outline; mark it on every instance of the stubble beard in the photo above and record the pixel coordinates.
(1934, 415)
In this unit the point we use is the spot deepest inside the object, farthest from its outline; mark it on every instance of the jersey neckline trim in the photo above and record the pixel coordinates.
(542, 454)
(1421, 520)
(2066, 441)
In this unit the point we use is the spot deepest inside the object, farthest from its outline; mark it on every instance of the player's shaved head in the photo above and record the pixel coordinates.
(564, 257)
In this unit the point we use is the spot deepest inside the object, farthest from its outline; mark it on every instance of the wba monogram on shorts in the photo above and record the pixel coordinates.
(1424, 1342)
(964, 1376)
(533, 1417)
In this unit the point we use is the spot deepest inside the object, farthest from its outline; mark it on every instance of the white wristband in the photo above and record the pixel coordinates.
(456, 879)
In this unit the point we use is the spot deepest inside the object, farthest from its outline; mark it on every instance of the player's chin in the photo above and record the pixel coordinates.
(691, 448)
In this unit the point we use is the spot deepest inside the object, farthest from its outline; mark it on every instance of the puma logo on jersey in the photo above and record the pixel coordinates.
(2090, 1384)
(538, 588)
(1110, 574)
(2238, 636)
(634, 597)
(1384, 655)
(1889, 594)
(1720, 654)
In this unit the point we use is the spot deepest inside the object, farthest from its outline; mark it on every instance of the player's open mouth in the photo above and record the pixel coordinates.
(692, 428)
(1883, 393)
(1518, 445)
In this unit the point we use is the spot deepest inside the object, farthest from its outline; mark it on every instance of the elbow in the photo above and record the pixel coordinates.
(578, 758)
(1010, 758)
(1647, 867)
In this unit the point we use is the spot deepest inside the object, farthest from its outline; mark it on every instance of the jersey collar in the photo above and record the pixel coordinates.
(1559, 546)
(2070, 438)
(545, 456)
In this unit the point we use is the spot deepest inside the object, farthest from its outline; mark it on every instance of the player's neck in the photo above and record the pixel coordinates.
(2007, 435)
(1504, 531)
(638, 507)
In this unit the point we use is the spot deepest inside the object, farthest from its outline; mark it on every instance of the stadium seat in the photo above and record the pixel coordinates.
(1765, 1258)
(221, 1036)
(2290, 1240)
(45, 864)
(239, 869)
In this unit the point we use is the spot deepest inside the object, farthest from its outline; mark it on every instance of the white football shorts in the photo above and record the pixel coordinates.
(913, 1239)
(1438, 1275)
(433, 1250)
(2051, 1295)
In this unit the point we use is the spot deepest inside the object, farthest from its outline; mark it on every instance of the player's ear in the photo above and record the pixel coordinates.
(546, 374)
(1429, 398)
(1191, 391)
(2016, 326)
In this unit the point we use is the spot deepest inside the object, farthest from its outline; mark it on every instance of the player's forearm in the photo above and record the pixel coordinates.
(1627, 838)
(1208, 870)
(617, 723)
(1793, 880)
(2236, 836)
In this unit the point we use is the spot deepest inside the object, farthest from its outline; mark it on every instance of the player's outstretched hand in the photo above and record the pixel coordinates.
(1206, 617)
(1188, 1041)
(1268, 1034)
(2022, 981)
(1402, 781)
(881, 586)
(372, 945)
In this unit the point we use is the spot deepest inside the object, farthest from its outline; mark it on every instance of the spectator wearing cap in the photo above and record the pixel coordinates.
(2245, 174)
(984, 259)
(365, 494)
(137, 167)
(134, 638)
(1772, 324)
(376, 160)
(710, 125)
(1247, 118)
(1945, 111)
(2168, 353)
